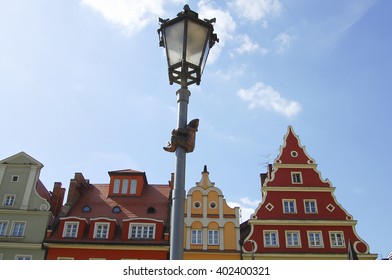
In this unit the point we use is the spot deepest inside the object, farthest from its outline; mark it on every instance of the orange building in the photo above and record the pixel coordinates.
(125, 219)
(299, 216)
(212, 229)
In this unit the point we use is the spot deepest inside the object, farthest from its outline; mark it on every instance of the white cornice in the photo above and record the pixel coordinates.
(299, 189)
(128, 247)
(304, 222)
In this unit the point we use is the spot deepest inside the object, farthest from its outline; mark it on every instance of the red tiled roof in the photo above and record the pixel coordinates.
(96, 196)
(42, 191)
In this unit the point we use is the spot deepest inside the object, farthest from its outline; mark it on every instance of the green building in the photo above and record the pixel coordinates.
(24, 208)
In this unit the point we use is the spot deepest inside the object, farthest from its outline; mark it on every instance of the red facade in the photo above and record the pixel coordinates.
(125, 219)
(299, 216)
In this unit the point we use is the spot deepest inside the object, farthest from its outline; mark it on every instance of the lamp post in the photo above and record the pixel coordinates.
(187, 40)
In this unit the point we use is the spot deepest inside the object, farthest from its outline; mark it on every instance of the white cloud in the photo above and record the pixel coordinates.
(247, 46)
(264, 96)
(247, 207)
(229, 74)
(247, 201)
(224, 27)
(128, 14)
(255, 10)
(283, 41)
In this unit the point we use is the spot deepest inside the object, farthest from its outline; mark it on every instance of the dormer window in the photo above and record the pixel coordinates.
(101, 230)
(133, 186)
(70, 229)
(116, 187)
(124, 187)
(141, 231)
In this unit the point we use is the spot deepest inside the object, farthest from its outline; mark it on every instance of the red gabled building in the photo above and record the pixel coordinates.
(125, 219)
(299, 216)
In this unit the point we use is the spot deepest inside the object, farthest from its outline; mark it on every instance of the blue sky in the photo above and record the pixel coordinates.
(84, 88)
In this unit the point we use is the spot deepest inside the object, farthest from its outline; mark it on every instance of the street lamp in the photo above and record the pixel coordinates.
(187, 40)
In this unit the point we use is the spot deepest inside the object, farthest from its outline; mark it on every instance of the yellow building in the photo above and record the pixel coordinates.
(212, 228)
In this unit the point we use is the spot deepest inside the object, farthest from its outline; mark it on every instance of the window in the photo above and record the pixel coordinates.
(315, 239)
(101, 230)
(14, 178)
(9, 200)
(213, 205)
(18, 229)
(133, 186)
(213, 237)
(70, 229)
(271, 239)
(310, 206)
(142, 231)
(23, 257)
(124, 188)
(116, 209)
(296, 177)
(3, 228)
(116, 187)
(289, 206)
(196, 236)
(196, 204)
(337, 239)
(86, 209)
(293, 239)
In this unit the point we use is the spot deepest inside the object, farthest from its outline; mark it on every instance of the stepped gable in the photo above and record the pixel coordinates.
(294, 158)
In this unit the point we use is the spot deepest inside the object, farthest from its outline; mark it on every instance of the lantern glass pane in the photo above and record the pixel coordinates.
(196, 41)
(174, 41)
(205, 55)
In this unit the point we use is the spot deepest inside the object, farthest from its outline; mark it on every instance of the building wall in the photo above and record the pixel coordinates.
(19, 175)
(217, 224)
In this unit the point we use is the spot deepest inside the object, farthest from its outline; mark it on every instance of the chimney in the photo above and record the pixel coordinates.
(57, 199)
(264, 176)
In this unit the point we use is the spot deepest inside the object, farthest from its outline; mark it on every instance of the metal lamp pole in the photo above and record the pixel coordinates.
(187, 40)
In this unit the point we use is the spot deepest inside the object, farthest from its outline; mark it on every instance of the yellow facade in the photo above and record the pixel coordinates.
(212, 228)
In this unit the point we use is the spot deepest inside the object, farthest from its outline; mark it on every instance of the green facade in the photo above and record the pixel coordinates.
(24, 214)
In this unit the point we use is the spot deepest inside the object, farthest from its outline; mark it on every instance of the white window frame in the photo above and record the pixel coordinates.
(124, 186)
(293, 239)
(70, 229)
(23, 257)
(65, 258)
(291, 206)
(101, 230)
(312, 239)
(14, 177)
(213, 237)
(133, 186)
(271, 238)
(20, 231)
(3, 228)
(197, 237)
(116, 185)
(296, 177)
(310, 201)
(336, 239)
(141, 231)
(9, 200)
